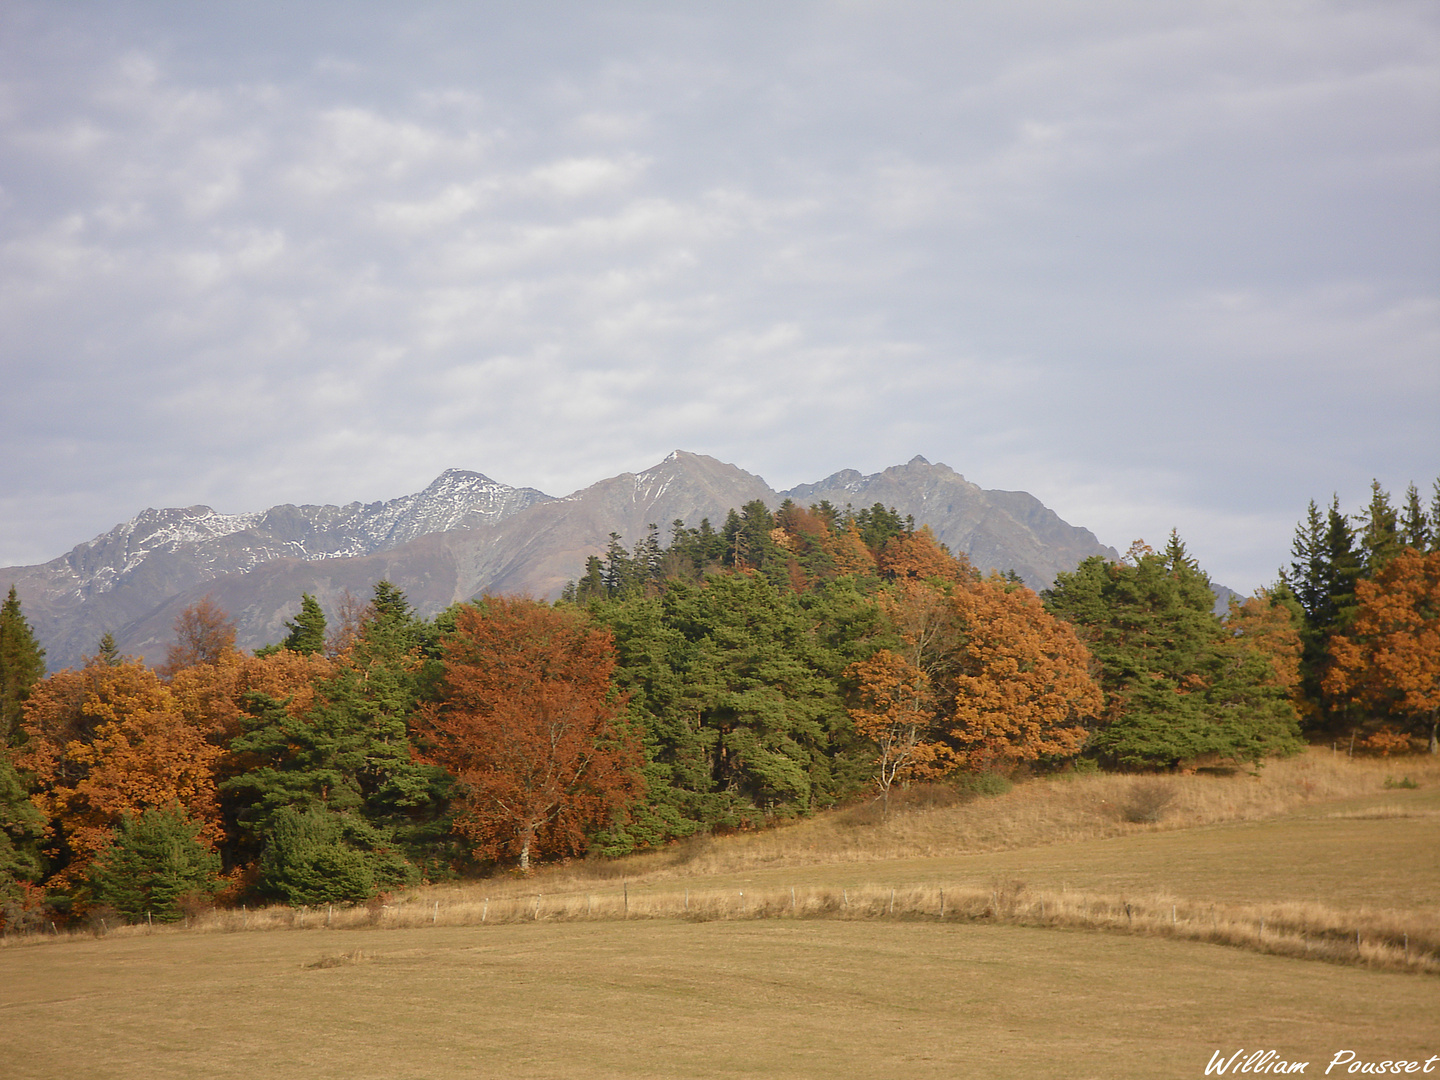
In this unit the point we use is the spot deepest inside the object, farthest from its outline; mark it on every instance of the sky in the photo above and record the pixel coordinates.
(1161, 265)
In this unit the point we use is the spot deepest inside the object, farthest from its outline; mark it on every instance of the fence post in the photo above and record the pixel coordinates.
(892, 901)
(792, 897)
(626, 887)
(435, 915)
(942, 903)
(485, 911)
(687, 899)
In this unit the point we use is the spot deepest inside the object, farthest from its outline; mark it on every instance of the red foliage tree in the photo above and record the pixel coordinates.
(204, 634)
(532, 727)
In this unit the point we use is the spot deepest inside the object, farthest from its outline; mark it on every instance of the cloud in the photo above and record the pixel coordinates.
(1160, 266)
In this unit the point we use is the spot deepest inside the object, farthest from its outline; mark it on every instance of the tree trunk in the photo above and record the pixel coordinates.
(1434, 724)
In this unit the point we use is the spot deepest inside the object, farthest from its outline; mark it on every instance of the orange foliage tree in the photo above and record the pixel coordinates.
(895, 711)
(212, 696)
(1023, 687)
(108, 741)
(532, 728)
(1389, 658)
(918, 556)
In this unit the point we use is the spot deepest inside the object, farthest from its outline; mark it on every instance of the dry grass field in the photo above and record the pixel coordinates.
(1073, 942)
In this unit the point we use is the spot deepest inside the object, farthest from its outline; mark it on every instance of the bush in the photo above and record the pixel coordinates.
(1147, 801)
(319, 858)
(154, 862)
(982, 784)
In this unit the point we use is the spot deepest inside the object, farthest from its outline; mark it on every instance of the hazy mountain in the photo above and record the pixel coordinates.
(466, 534)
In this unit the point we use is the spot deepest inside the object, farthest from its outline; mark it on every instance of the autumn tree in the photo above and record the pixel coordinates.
(204, 633)
(1023, 689)
(22, 665)
(894, 709)
(530, 726)
(1388, 660)
(107, 741)
(1269, 624)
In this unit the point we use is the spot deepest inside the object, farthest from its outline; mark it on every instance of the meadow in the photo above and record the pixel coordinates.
(1097, 925)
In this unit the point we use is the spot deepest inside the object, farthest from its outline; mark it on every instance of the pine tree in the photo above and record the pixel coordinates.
(155, 860)
(108, 652)
(22, 665)
(307, 632)
(1177, 686)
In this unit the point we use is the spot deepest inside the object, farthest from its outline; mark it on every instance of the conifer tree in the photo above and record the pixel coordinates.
(307, 632)
(1414, 525)
(1380, 539)
(1176, 685)
(22, 665)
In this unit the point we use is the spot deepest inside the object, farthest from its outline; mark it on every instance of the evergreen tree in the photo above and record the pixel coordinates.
(155, 860)
(1380, 540)
(307, 632)
(318, 857)
(1414, 525)
(1176, 685)
(22, 829)
(108, 652)
(22, 665)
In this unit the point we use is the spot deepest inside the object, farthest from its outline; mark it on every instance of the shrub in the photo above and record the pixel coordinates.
(982, 784)
(319, 857)
(1147, 801)
(154, 861)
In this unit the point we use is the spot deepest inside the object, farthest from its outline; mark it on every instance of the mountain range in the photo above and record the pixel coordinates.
(465, 535)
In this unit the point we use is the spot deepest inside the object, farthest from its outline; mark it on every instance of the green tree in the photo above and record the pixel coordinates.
(1176, 685)
(307, 632)
(1380, 539)
(22, 831)
(22, 665)
(155, 860)
(317, 857)
(1415, 526)
(108, 652)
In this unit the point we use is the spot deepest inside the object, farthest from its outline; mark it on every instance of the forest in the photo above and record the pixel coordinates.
(729, 679)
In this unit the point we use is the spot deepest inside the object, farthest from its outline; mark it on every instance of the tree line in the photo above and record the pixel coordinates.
(781, 664)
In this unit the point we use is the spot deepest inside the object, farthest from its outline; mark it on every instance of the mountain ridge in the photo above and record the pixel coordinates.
(465, 534)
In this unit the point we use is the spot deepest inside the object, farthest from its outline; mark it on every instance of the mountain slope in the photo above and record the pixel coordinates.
(466, 534)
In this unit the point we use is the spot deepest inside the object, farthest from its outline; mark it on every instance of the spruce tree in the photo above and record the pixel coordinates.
(1380, 539)
(1177, 686)
(22, 665)
(1414, 525)
(307, 632)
